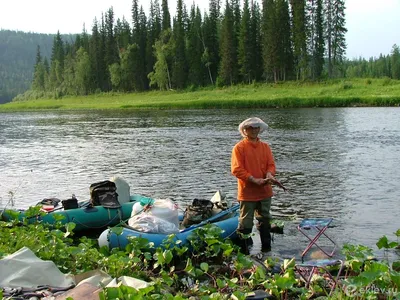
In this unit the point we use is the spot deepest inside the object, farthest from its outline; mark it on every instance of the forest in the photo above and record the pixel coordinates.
(232, 43)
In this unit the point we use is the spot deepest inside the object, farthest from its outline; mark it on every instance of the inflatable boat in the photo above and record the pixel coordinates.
(227, 220)
(84, 215)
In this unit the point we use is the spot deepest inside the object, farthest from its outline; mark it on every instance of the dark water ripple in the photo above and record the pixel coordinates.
(340, 163)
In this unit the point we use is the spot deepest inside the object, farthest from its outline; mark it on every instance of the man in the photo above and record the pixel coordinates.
(253, 165)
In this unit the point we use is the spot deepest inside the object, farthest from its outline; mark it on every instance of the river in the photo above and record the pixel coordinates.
(336, 162)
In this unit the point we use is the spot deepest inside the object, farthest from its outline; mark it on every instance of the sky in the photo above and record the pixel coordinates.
(373, 26)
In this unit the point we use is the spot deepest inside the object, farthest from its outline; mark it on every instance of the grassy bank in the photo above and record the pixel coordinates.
(356, 92)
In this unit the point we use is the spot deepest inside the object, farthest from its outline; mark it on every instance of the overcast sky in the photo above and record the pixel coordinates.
(373, 26)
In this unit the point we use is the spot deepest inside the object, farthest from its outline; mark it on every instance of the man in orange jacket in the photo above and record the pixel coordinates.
(253, 165)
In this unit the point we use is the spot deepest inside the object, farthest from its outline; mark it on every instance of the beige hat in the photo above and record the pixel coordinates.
(253, 122)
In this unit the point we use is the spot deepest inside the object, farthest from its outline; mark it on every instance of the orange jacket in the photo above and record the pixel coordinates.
(252, 159)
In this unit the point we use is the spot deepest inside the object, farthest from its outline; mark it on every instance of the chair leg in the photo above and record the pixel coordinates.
(306, 272)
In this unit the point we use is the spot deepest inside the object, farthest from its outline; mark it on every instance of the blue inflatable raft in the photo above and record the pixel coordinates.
(226, 220)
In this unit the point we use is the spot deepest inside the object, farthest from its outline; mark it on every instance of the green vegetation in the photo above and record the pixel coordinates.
(271, 41)
(210, 268)
(361, 92)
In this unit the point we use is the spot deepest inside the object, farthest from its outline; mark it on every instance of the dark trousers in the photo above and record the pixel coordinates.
(261, 211)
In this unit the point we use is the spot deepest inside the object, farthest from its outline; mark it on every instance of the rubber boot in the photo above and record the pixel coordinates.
(244, 243)
(265, 236)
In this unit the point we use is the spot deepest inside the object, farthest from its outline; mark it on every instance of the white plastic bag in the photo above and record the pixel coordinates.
(146, 222)
(160, 217)
(123, 189)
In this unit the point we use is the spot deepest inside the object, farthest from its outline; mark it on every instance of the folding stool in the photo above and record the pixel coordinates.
(320, 267)
(317, 227)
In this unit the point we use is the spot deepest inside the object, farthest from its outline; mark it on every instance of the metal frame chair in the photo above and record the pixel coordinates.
(319, 226)
(320, 267)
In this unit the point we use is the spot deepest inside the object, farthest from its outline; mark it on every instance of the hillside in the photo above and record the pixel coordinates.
(17, 59)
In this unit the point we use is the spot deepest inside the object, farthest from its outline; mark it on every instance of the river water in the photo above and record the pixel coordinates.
(336, 162)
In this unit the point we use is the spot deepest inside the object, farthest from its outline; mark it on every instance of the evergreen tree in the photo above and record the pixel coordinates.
(284, 64)
(84, 39)
(166, 17)
(97, 60)
(255, 37)
(299, 29)
(318, 40)
(210, 39)
(111, 51)
(153, 33)
(235, 6)
(139, 24)
(179, 67)
(197, 72)
(122, 34)
(339, 40)
(57, 63)
(270, 41)
(246, 48)
(38, 56)
(38, 83)
(227, 72)
(335, 35)
(395, 62)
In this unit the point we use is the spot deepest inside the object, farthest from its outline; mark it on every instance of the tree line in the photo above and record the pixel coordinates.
(277, 40)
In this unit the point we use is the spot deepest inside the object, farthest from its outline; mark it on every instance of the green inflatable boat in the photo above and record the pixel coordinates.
(85, 216)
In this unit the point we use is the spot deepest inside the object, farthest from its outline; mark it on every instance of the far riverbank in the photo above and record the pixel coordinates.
(349, 93)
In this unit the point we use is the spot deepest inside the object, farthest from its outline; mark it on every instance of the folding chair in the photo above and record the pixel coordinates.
(318, 228)
(322, 268)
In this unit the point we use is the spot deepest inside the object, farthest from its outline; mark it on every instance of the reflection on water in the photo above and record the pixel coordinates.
(340, 163)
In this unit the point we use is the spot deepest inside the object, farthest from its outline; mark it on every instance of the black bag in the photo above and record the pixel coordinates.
(104, 193)
(70, 203)
(197, 212)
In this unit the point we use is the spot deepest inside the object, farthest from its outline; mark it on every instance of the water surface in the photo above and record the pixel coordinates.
(341, 163)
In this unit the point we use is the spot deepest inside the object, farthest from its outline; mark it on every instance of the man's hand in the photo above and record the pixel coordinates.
(258, 181)
(269, 179)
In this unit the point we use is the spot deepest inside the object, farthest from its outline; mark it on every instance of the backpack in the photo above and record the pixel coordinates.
(197, 212)
(104, 193)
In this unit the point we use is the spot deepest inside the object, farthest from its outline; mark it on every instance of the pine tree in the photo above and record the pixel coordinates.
(179, 67)
(154, 30)
(395, 62)
(197, 72)
(300, 39)
(38, 59)
(246, 46)
(255, 36)
(166, 17)
(38, 83)
(122, 34)
(318, 40)
(210, 57)
(57, 63)
(335, 35)
(339, 40)
(111, 48)
(96, 57)
(270, 41)
(283, 37)
(139, 24)
(227, 72)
